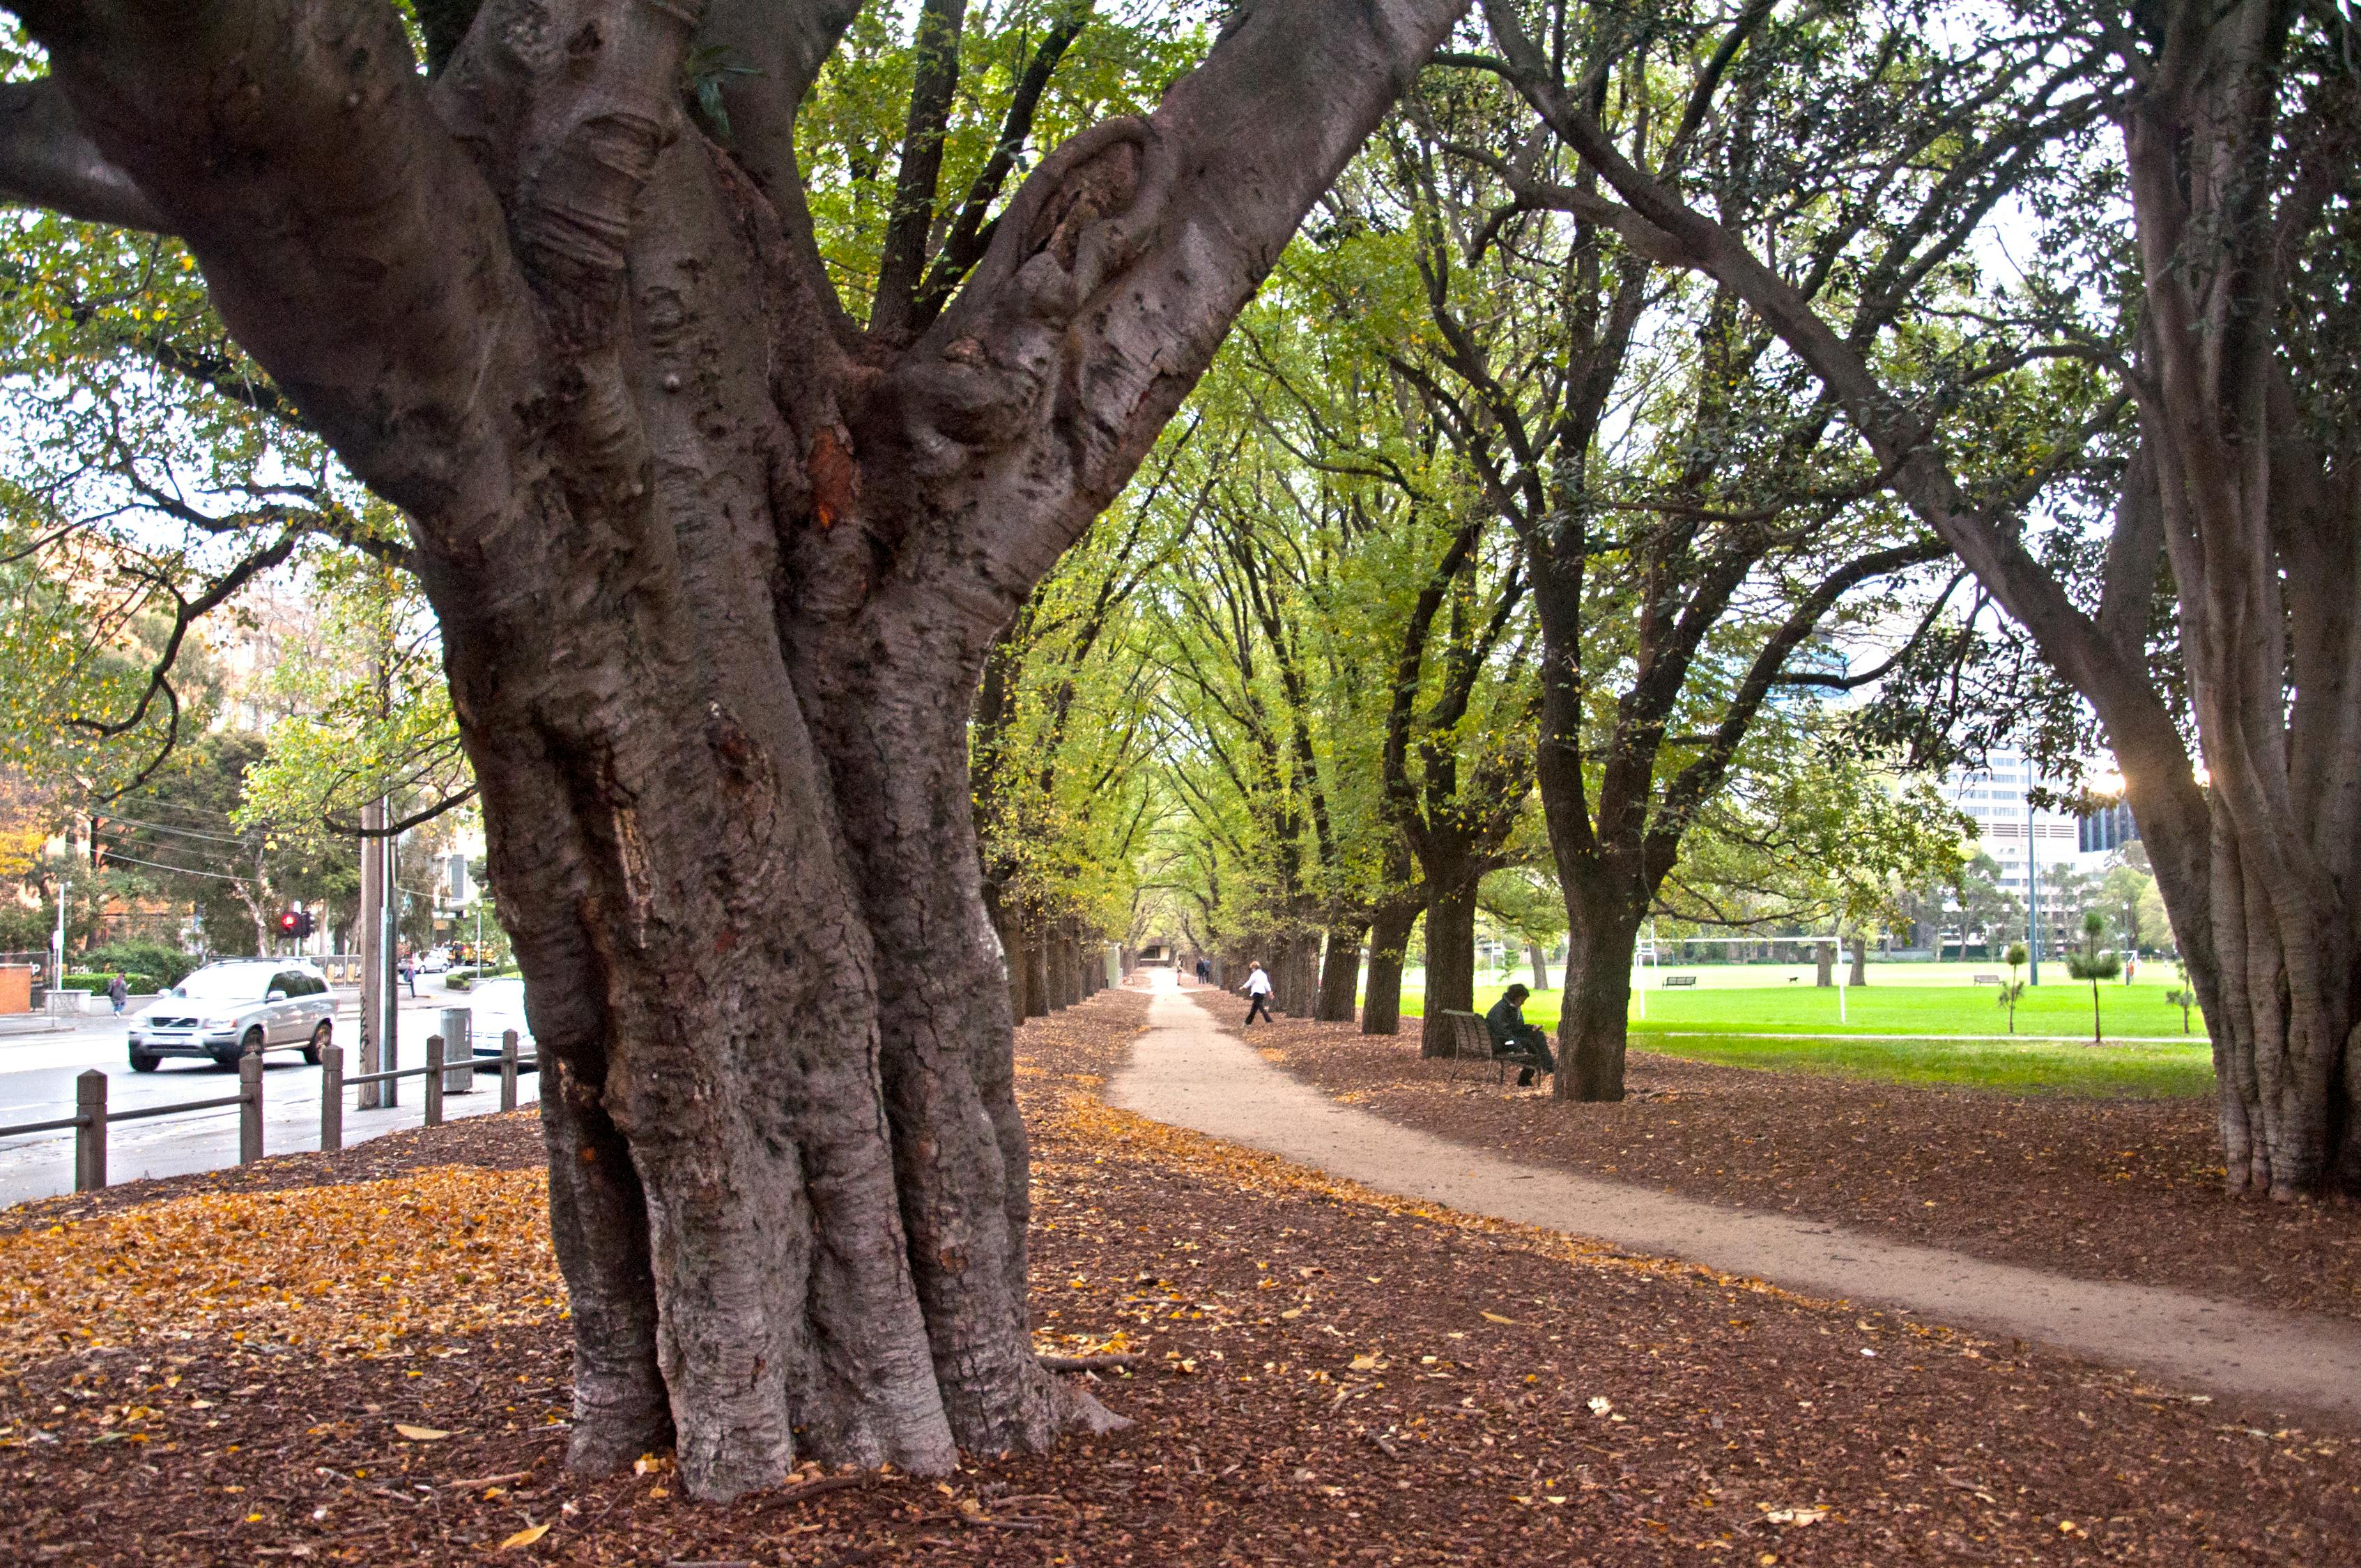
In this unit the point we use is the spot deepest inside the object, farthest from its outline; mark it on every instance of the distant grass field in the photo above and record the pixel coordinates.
(1887, 1005)
(1725, 1019)
(2144, 1072)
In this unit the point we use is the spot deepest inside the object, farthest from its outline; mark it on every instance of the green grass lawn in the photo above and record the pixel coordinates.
(1727, 1021)
(2060, 1006)
(2165, 1071)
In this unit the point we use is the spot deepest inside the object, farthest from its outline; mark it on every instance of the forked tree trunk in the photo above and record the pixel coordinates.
(2286, 1040)
(1594, 1006)
(716, 569)
(1450, 963)
(1340, 975)
(1389, 947)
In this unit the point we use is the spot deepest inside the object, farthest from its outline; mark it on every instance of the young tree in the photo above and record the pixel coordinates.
(2013, 992)
(717, 565)
(2088, 962)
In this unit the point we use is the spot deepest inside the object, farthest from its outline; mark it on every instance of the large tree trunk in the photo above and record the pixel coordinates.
(716, 571)
(1299, 975)
(1450, 959)
(1595, 1007)
(1389, 945)
(1824, 960)
(1859, 975)
(1340, 975)
(1540, 961)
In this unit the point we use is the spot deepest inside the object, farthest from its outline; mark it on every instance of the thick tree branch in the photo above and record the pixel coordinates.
(1189, 211)
(903, 253)
(46, 161)
(964, 246)
(347, 241)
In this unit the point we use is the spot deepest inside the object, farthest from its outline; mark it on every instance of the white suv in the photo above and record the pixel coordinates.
(225, 1009)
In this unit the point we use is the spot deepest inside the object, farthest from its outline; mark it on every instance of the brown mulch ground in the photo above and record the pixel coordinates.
(488, 1142)
(1322, 1377)
(2120, 1189)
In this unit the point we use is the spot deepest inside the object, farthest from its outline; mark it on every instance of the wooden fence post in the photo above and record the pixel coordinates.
(90, 1131)
(508, 1070)
(250, 1107)
(331, 1097)
(434, 1080)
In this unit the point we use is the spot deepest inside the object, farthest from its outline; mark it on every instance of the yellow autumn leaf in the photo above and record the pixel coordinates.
(525, 1537)
(419, 1435)
(1364, 1363)
(1496, 1318)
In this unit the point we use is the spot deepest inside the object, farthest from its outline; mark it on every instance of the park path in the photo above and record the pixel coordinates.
(1186, 1071)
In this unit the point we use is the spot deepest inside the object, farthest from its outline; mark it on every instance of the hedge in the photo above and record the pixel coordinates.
(96, 985)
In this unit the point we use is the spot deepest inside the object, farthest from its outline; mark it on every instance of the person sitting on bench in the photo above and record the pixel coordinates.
(1516, 1040)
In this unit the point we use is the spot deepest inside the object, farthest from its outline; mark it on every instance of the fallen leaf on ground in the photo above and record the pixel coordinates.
(420, 1434)
(525, 1537)
(1796, 1516)
(1496, 1318)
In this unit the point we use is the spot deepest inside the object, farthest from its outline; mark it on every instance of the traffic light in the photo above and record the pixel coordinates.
(291, 923)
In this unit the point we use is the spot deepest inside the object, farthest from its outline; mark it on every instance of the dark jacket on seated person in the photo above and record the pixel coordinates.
(1511, 1036)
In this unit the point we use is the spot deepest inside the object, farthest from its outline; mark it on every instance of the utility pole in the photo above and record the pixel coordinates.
(372, 934)
(2032, 883)
(58, 944)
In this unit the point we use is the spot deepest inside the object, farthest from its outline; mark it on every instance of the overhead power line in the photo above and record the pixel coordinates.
(158, 865)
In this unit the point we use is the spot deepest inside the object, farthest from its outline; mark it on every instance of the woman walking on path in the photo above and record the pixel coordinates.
(1258, 989)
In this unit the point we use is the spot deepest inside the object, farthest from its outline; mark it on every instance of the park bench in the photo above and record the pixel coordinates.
(1471, 1040)
(1672, 981)
(1987, 980)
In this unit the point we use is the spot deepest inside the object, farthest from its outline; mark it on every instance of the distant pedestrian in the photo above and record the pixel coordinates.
(410, 973)
(118, 994)
(1204, 971)
(1258, 989)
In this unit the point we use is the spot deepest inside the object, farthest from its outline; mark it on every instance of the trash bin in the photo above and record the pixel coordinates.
(458, 1051)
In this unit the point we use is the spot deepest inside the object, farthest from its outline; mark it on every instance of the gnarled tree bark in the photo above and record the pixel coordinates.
(717, 574)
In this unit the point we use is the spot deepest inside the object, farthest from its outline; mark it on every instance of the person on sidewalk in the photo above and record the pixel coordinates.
(410, 972)
(1515, 1040)
(118, 994)
(1258, 989)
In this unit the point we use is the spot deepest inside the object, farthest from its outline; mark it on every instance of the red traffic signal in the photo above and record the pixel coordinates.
(292, 921)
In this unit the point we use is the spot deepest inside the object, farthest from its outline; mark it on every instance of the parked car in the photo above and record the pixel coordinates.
(498, 1004)
(434, 961)
(225, 1009)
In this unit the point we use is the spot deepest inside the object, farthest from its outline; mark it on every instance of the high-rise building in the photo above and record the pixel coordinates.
(1995, 797)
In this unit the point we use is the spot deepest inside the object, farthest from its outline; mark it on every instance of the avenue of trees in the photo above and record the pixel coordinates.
(873, 502)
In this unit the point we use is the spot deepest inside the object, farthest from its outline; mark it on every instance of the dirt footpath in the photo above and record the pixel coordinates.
(1192, 1073)
(2125, 1189)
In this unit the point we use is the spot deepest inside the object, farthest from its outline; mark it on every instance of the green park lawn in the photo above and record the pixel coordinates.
(1720, 1021)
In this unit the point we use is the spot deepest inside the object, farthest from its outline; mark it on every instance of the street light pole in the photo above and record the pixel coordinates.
(2032, 882)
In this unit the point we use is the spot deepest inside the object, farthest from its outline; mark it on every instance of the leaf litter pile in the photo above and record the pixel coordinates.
(373, 1368)
(2104, 1188)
